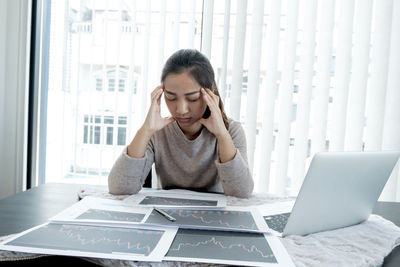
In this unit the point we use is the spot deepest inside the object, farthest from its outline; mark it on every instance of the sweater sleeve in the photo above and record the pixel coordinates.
(235, 175)
(128, 174)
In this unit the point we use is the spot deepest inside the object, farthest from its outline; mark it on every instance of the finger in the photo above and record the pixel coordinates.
(155, 91)
(205, 96)
(209, 100)
(159, 96)
(213, 96)
(156, 94)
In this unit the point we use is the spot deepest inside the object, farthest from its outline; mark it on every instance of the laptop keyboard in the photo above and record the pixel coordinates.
(277, 222)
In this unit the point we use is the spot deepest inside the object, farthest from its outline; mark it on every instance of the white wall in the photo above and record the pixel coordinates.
(14, 44)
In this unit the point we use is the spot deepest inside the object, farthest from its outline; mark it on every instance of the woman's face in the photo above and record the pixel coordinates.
(183, 98)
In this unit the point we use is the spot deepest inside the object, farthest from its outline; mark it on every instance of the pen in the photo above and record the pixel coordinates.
(166, 215)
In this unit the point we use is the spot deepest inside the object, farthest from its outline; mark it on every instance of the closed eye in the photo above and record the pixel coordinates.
(190, 100)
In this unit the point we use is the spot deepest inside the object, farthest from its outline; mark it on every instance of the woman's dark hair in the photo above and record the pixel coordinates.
(199, 67)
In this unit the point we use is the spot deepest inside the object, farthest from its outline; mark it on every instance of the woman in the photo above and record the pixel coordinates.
(196, 148)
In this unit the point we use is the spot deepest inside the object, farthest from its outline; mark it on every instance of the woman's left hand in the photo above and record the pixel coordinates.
(214, 123)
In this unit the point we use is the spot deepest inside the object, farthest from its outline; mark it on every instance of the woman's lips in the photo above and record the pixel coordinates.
(183, 120)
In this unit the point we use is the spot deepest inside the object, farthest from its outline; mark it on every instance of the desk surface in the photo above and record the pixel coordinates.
(35, 206)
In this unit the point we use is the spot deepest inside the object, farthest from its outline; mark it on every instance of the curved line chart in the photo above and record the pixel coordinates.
(208, 218)
(214, 241)
(230, 219)
(221, 245)
(170, 201)
(96, 214)
(91, 239)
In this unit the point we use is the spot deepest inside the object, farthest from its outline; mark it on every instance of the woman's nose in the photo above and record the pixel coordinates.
(182, 107)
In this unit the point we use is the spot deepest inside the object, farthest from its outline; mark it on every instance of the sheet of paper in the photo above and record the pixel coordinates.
(93, 210)
(174, 198)
(140, 243)
(222, 247)
(228, 219)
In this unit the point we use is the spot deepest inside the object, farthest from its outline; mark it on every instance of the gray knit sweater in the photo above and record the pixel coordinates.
(182, 163)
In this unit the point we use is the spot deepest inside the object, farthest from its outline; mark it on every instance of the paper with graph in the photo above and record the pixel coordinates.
(134, 243)
(128, 230)
(177, 198)
(229, 219)
(93, 210)
(222, 247)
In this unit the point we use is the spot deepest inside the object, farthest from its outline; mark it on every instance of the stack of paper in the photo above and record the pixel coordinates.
(204, 229)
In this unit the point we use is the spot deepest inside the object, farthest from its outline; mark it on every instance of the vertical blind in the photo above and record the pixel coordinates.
(321, 77)
(302, 76)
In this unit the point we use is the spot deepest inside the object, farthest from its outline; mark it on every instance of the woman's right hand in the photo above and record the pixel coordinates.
(154, 121)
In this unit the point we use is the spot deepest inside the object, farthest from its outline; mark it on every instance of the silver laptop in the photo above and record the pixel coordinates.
(339, 190)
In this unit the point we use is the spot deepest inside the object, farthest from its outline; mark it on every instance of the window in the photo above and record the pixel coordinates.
(97, 135)
(122, 131)
(106, 58)
(85, 134)
(108, 120)
(111, 85)
(121, 85)
(294, 112)
(99, 84)
(121, 136)
(110, 134)
(97, 126)
(121, 120)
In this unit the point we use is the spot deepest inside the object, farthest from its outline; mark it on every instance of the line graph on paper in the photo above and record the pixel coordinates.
(208, 218)
(221, 245)
(170, 201)
(91, 239)
(96, 214)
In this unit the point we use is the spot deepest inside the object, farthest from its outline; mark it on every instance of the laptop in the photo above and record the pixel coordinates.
(339, 190)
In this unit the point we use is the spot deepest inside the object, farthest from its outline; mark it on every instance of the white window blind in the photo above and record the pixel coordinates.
(254, 78)
(207, 25)
(285, 97)
(302, 76)
(270, 57)
(342, 74)
(324, 28)
(377, 83)
(359, 76)
(224, 60)
(238, 58)
(306, 75)
(391, 117)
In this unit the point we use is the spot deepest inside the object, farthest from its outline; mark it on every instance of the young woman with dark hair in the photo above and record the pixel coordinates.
(197, 148)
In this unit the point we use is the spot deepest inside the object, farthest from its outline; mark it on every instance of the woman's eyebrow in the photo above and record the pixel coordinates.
(190, 93)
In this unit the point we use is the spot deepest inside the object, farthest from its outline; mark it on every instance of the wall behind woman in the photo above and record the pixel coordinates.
(15, 20)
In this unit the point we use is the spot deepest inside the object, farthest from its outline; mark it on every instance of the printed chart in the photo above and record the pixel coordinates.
(97, 211)
(227, 219)
(108, 215)
(91, 239)
(221, 245)
(170, 201)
